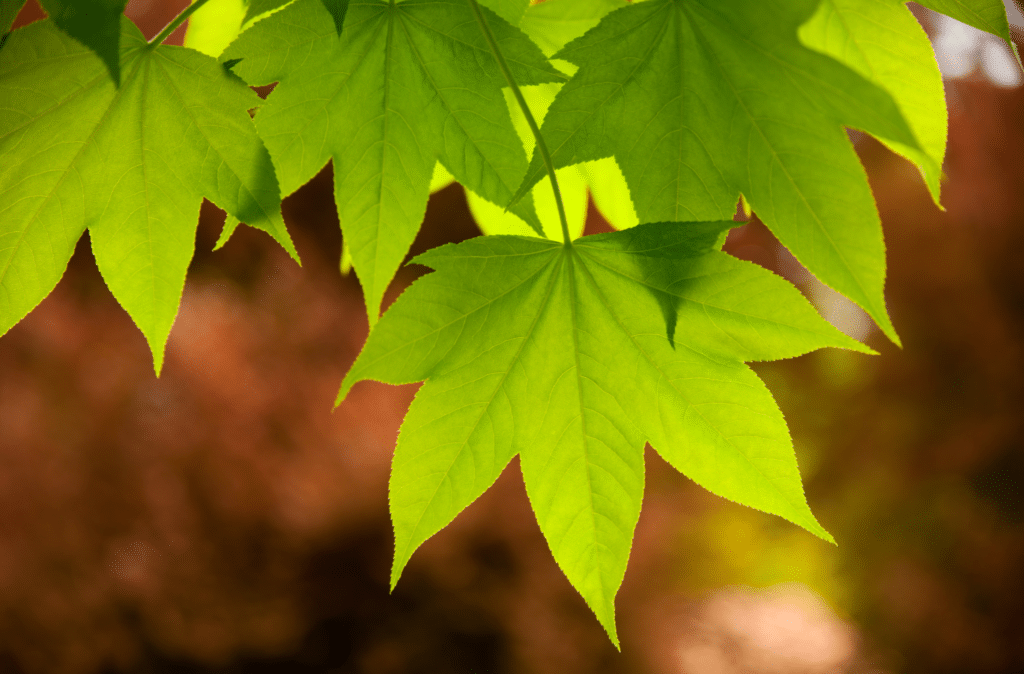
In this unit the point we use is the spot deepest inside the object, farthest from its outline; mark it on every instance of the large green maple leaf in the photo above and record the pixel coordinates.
(882, 41)
(407, 85)
(573, 356)
(701, 101)
(131, 164)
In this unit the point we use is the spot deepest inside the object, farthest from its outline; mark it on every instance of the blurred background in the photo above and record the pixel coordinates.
(223, 519)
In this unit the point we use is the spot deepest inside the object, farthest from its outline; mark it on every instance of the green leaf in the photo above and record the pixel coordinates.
(610, 192)
(94, 23)
(131, 164)
(216, 24)
(494, 219)
(440, 178)
(510, 10)
(9, 10)
(701, 101)
(882, 41)
(230, 225)
(336, 8)
(573, 357)
(213, 26)
(260, 7)
(554, 23)
(986, 15)
(346, 259)
(406, 86)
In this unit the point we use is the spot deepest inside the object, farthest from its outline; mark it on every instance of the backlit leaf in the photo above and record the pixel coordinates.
(573, 357)
(214, 26)
(406, 86)
(131, 164)
(882, 41)
(702, 101)
(510, 10)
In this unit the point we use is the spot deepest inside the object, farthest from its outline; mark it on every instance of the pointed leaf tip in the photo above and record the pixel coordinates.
(337, 10)
(860, 35)
(158, 350)
(230, 225)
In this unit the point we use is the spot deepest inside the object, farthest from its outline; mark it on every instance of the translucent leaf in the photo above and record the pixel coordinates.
(406, 86)
(700, 101)
(610, 192)
(132, 164)
(573, 357)
(213, 26)
(493, 219)
(882, 41)
(510, 10)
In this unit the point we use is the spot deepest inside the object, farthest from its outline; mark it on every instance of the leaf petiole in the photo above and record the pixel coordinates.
(177, 21)
(541, 146)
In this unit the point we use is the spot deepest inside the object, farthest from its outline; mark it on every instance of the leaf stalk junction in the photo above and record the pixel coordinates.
(177, 21)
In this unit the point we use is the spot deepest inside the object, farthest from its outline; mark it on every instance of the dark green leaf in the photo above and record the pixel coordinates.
(337, 10)
(94, 23)
(510, 10)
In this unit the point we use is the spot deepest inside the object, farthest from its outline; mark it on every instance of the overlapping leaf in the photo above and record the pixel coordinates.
(882, 41)
(336, 8)
(130, 163)
(215, 25)
(94, 23)
(406, 86)
(573, 357)
(510, 10)
(493, 219)
(552, 24)
(257, 7)
(702, 101)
